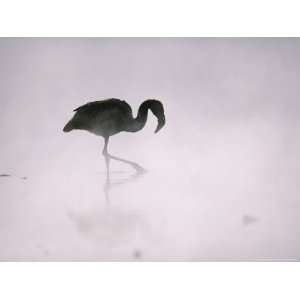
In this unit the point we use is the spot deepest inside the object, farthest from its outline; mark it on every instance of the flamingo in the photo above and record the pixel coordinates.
(111, 116)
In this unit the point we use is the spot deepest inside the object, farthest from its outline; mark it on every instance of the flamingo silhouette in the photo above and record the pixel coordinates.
(111, 116)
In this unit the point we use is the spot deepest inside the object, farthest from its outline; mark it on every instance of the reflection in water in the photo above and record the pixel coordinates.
(139, 171)
(109, 228)
(112, 226)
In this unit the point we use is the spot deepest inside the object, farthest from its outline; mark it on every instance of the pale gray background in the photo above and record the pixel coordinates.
(223, 180)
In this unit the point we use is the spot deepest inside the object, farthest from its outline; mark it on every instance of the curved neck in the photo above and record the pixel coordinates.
(139, 122)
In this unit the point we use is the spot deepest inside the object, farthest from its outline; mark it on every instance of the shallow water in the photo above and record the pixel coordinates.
(222, 177)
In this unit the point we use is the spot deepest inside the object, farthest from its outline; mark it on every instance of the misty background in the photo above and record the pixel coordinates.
(223, 174)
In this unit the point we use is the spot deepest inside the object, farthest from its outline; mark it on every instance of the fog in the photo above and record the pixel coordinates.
(222, 176)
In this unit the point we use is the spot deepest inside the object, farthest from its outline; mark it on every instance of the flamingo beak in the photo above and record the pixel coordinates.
(68, 127)
(160, 125)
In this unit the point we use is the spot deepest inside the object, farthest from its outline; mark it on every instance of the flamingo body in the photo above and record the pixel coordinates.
(111, 116)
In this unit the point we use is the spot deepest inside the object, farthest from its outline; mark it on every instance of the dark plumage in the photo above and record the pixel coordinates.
(108, 117)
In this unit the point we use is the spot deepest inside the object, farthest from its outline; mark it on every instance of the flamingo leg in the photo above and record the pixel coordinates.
(139, 169)
(104, 151)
